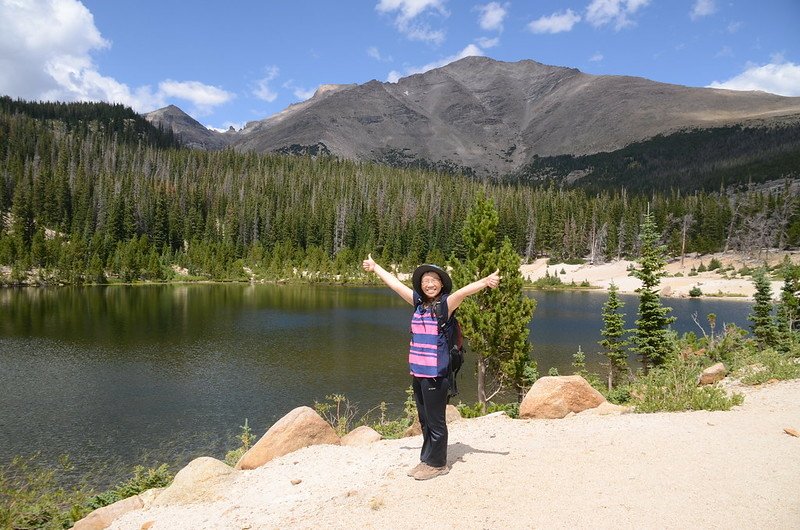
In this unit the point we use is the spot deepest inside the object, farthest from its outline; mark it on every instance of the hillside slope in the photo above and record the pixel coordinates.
(494, 116)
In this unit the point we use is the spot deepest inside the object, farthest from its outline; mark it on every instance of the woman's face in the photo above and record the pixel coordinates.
(431, 285)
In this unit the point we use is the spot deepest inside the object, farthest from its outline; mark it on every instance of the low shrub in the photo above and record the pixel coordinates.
(618, 395)
(339, 411)
(142, 480)
(673, 388)
(391, 428)
(474, 410)
(695, 291)
(245, 438)
(547, 282)
(755, 366)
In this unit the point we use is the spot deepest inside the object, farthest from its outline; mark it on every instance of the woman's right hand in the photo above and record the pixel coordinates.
(369, 263)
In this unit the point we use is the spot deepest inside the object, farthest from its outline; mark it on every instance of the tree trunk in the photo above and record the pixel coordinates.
(482, 384)
(683, 239)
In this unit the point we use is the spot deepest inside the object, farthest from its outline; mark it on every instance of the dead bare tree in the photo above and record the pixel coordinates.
(597, 244)
(530, 248)
(754, 235)
(788, 204)
(686, 222)
(732, 225)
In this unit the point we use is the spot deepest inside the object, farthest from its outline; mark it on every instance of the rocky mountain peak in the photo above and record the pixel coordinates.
(493, 117)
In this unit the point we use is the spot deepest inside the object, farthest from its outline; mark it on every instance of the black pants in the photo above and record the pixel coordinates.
(431, 397)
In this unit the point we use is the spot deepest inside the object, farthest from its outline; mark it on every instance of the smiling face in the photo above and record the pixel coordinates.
(431, 285)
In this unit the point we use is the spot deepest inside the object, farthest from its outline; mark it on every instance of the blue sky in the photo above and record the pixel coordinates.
(227, 63)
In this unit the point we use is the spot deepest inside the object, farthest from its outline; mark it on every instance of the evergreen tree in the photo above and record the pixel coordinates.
(95, 272)
(495, 322)
(613, 332)
(762, 325)
(788, 311)
(650, 336)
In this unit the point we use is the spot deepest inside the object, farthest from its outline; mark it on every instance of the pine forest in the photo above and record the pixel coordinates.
(91, 193)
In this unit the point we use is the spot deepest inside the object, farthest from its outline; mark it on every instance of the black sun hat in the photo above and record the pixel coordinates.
(416, 278)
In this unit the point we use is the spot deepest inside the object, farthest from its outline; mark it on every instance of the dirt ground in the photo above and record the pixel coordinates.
(735, 469)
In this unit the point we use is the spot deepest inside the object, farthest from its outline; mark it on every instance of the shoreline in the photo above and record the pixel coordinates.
(678, 282)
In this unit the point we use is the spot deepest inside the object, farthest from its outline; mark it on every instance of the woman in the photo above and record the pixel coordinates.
(428, 355)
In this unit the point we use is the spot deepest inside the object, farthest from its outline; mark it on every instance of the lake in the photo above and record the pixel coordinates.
(121, 375)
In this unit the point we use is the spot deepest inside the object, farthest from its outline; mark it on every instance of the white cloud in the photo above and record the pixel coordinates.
(776, 78)
(410, 9)
(423, 32)
(733, 27)
(43, 38)
(596, 58)
(470, 51)
(46, 51)
(375, 53)
(555, 23)
(492, 16)
(407, 17)
(301, 93)
(702, 8)
(393, 76)
(263, 90)
(602, 12)
(485, 42)
(203, 97)
(725, 51)
(226, 126)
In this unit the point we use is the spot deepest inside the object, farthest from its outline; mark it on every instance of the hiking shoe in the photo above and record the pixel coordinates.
(415, 469)
(428, 472)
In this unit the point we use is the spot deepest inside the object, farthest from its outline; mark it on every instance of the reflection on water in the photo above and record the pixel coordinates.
(564, 320)
(127, 375)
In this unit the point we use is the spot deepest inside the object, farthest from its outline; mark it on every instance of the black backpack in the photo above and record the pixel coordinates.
(451, 330)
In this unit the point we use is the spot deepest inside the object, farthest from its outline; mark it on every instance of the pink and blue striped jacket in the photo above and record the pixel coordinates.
(427, 354)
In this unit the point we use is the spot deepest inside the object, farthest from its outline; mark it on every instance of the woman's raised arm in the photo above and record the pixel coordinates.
(389, 279)
(455, 299)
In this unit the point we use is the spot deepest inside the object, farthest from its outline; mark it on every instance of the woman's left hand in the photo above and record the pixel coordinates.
(493, 280)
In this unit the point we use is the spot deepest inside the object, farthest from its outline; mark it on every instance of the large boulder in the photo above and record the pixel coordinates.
(300, 428)
(712, 374)
(363, 435)
(451, 414)
(103, 517)
(554, 397)
(200, 481)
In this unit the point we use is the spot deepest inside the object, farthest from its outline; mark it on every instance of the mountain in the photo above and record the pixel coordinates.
(189, 131)
(492, 118)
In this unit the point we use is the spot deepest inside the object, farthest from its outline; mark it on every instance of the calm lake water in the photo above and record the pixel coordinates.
(117, 376)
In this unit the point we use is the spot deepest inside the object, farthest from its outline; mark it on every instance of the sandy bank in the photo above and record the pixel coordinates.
(710, 283)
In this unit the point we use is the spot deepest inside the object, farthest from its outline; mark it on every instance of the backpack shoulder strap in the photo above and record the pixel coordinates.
(442, 309)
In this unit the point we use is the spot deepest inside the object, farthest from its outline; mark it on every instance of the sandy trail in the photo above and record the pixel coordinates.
(735, 469)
